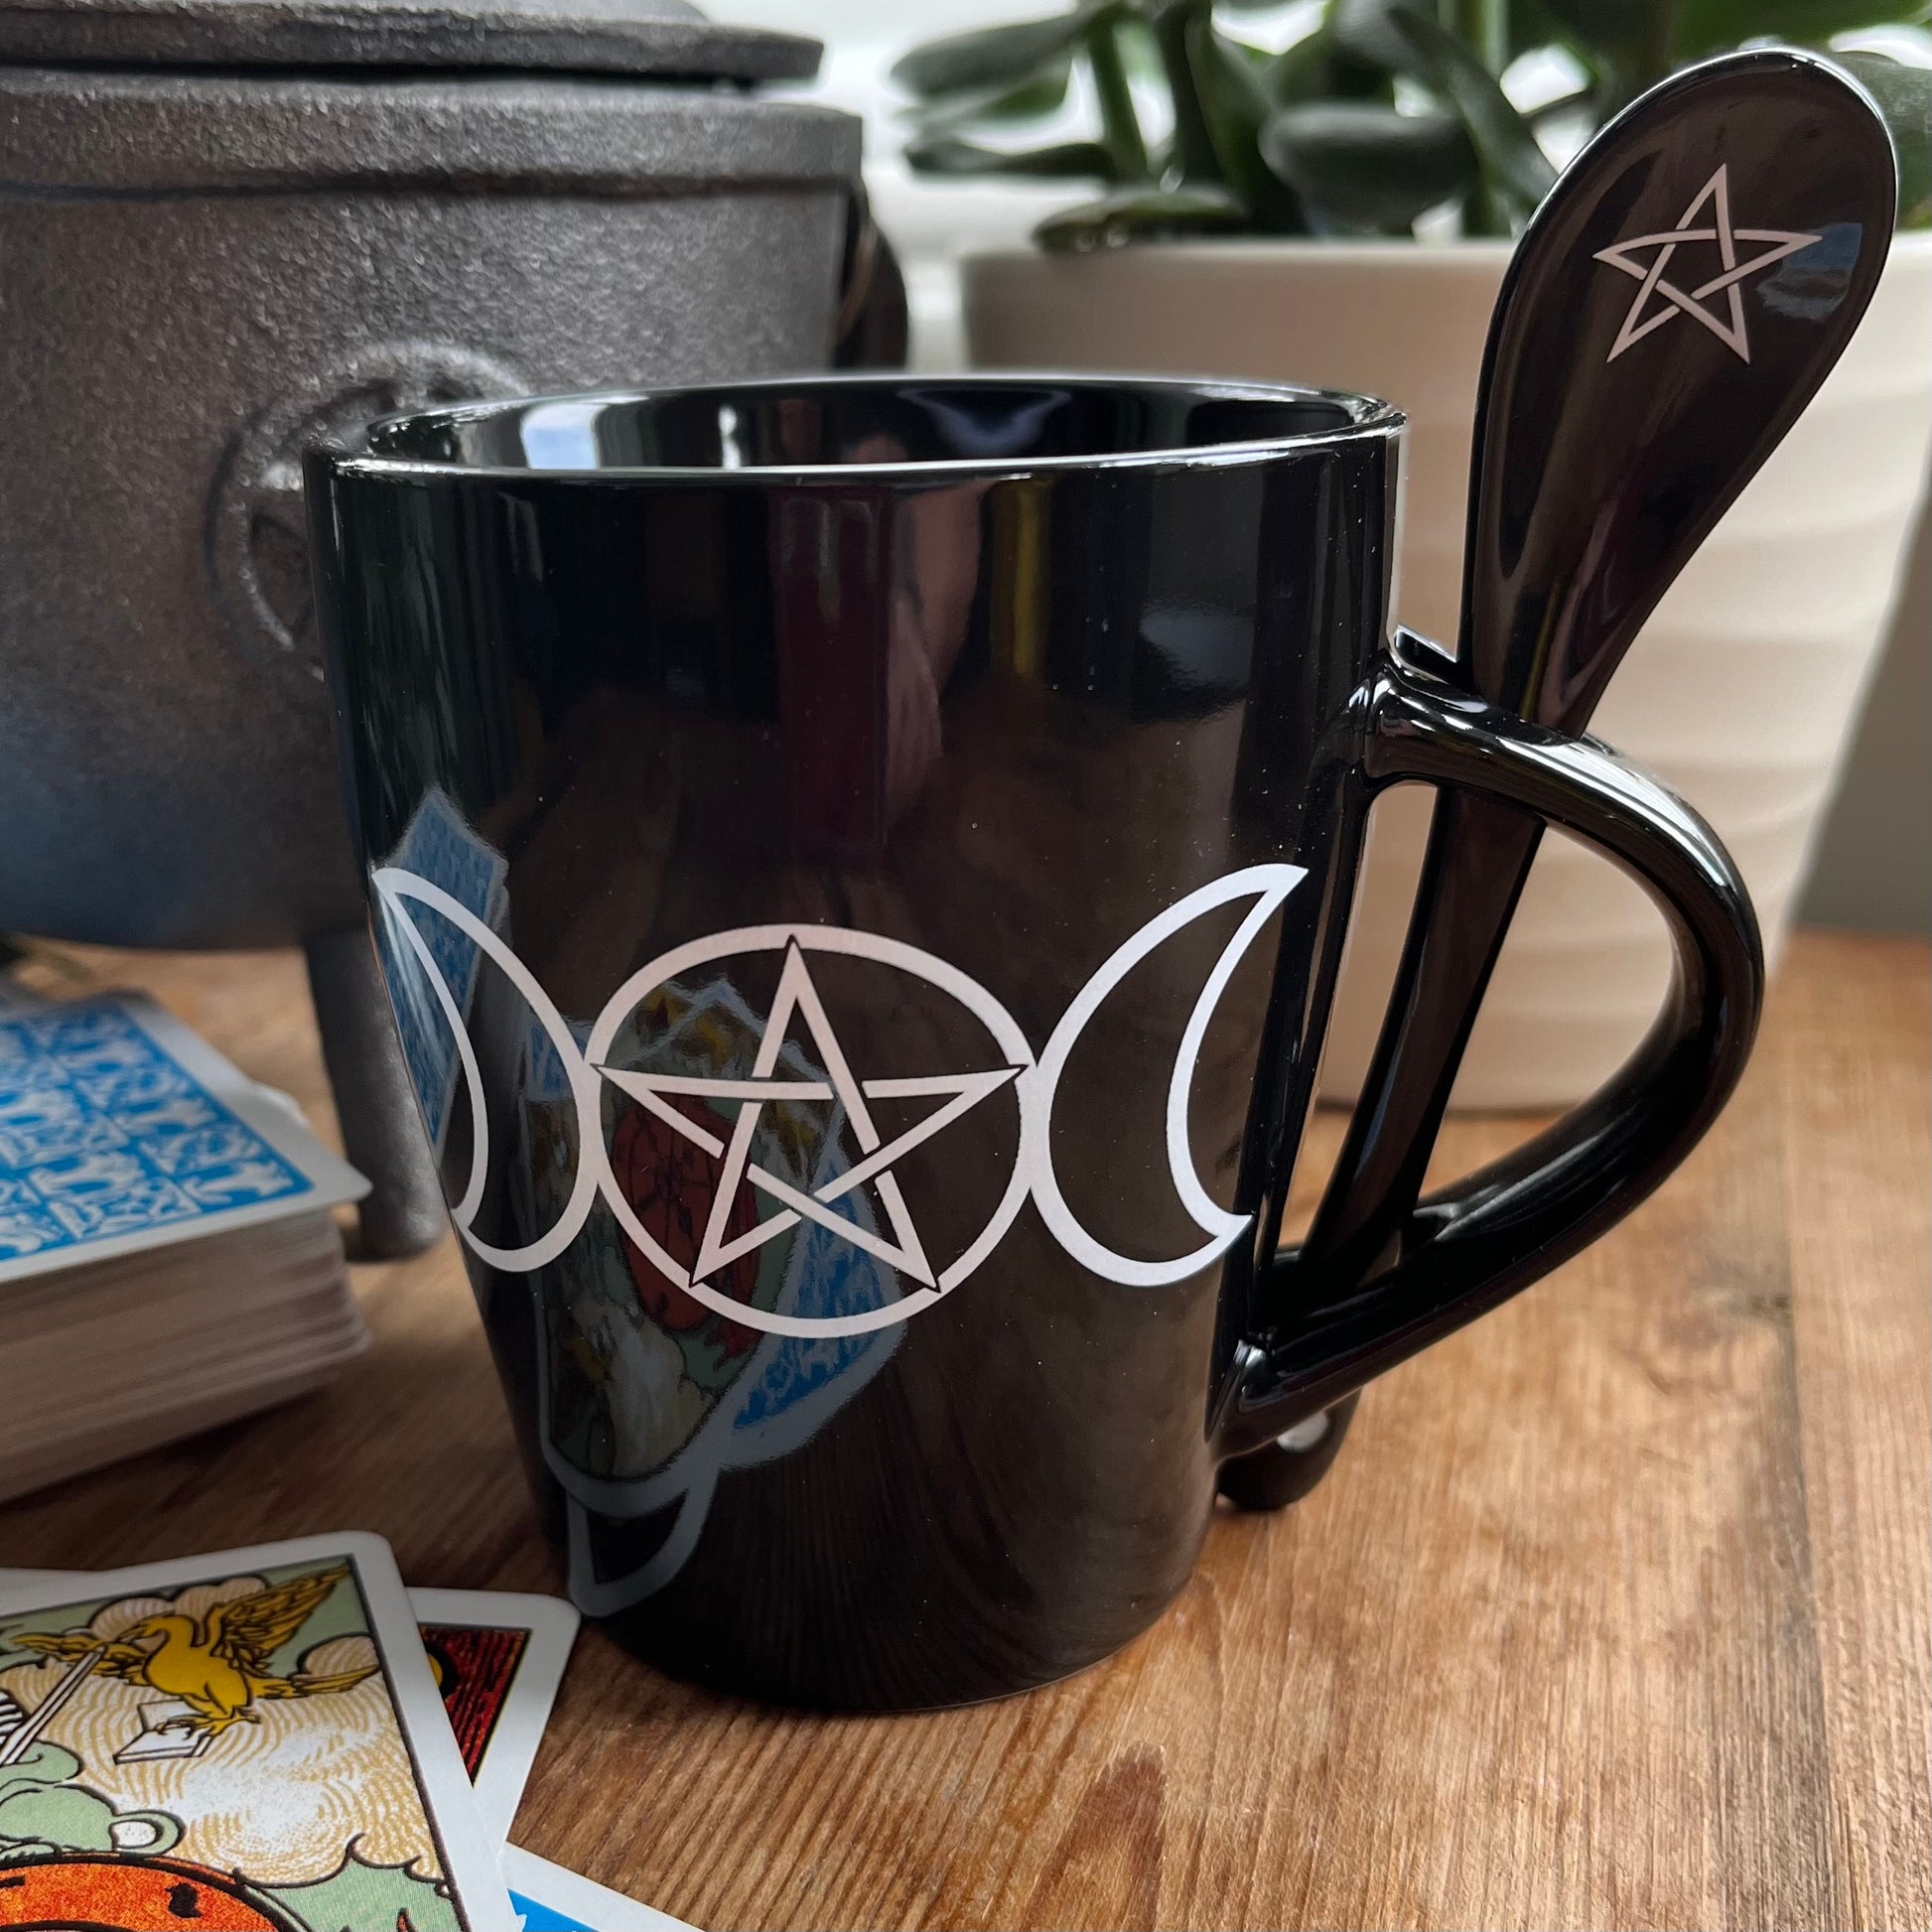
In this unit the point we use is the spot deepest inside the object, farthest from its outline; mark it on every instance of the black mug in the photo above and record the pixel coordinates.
(861, 867)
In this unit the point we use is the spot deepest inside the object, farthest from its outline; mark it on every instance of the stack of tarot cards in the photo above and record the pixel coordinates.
(279, 1740)
(168, 1258)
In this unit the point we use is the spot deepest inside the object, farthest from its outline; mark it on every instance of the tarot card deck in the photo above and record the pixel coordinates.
(167, 1259)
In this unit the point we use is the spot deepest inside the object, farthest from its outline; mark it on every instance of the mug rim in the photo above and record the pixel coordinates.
(1369, 418)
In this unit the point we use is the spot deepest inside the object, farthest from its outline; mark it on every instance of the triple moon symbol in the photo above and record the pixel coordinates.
(1034, 1084)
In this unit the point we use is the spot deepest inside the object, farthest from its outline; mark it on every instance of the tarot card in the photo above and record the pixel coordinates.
(547, 1898)
(497, 1659)
(120, 1129)
(251, 1740)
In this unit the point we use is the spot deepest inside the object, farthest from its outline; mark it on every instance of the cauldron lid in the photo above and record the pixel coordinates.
(667, 38)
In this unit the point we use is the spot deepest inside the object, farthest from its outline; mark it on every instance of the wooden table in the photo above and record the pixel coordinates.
(1615, 1610)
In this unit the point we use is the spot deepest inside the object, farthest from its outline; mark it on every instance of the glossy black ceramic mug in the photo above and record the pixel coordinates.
(862, 868)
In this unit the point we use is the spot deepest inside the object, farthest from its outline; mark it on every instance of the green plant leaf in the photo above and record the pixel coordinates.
(1904, 97)
(996, 107)
(1708, 26)
(1042, 94)
(1366, 166)
(1120, 119)
(1364, 30)
(1219, 104)
(1630, 43)
(1257, 59)
(1563, 104)
(1179, 31)
(1532, 24)
(995, 58)
(1587, 30)
(1238, 104)
(1318, 67)
(1067, 161)
(1505, 143)
(1140, 215)
(1483, 26)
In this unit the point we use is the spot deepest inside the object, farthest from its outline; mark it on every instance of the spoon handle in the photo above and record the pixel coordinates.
(1669, 312)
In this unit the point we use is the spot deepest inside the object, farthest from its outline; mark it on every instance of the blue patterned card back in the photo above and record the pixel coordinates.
(119, 1129)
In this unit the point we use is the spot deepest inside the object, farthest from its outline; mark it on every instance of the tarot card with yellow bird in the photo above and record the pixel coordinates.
(249, 1742)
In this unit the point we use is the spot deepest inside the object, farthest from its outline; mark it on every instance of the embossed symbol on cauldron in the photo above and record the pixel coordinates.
(254, 536)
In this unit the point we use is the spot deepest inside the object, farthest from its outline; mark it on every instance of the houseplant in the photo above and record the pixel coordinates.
(1255, 215)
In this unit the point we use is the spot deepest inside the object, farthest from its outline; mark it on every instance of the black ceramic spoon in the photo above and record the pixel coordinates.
(1670, 310)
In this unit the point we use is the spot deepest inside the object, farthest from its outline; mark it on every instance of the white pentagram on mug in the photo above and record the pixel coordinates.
(934, 1101)
(797, 999)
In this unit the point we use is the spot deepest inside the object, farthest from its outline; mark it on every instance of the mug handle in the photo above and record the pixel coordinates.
(1322, 1327)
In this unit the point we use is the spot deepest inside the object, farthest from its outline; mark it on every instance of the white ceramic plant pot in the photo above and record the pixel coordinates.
(1742, 690)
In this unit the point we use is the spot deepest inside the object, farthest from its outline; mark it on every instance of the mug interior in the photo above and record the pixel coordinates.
(875, 422)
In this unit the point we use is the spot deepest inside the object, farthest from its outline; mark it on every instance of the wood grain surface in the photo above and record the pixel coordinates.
(1615, 1610)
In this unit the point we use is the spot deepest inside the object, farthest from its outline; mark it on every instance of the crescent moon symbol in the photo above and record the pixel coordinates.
(1269, 885)
(393, 885)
